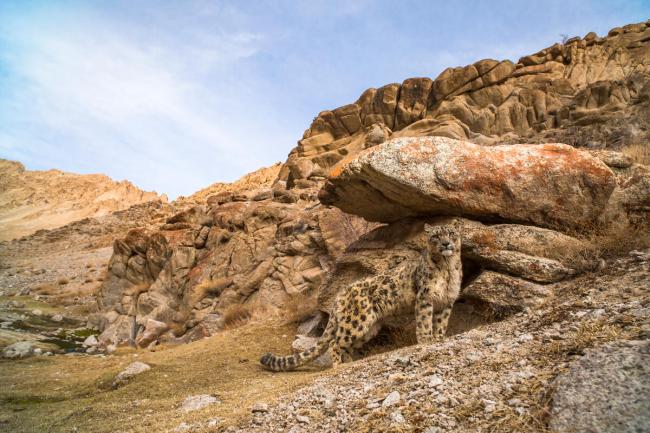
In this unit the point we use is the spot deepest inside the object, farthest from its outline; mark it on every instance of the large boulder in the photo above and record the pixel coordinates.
(132, 370)
(534, 253)
(607, 390)
(551, 185)
(21, 349)
(503, 294)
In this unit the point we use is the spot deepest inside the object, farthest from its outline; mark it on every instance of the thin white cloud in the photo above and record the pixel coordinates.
(119, 94)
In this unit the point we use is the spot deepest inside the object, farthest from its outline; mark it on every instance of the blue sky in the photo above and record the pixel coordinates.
(175, 95)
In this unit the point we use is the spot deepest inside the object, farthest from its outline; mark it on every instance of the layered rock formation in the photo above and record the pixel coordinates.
(589, 91)
(256, 249)
(35, 200)
(273, 243)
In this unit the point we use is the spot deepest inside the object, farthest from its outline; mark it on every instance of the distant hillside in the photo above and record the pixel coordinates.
(34, 200)
(260, 178)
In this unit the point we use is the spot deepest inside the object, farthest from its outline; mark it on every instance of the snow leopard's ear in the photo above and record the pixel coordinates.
(429, 229)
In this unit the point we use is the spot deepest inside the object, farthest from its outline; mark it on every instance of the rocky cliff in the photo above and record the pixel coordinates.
(275, 243)
(588, 92)
(35, 200)
(261, 178)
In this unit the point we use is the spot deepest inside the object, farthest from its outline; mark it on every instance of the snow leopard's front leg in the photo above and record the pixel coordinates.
(424, 317)
(440, 322)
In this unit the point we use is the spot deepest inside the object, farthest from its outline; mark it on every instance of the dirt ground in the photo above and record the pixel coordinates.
(67, 393)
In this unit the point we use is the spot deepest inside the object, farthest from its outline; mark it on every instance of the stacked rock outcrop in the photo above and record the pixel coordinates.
(254, 249)
(589, 91)
(402, 155)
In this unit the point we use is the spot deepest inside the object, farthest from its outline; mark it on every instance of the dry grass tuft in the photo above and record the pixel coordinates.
(640, 153)
(236, 315)
(506, 419)
(594, 332)
(47, 290)
(604, 241)
(617, 240)
(64, 294)
(71, 295)
(177, 329)
(299, 308)
(209, 287)
(589, 334)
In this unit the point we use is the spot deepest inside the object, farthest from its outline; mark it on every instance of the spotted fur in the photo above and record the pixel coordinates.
(430, 284)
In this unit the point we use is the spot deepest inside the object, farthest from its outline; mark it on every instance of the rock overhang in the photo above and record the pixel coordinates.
(551, 185)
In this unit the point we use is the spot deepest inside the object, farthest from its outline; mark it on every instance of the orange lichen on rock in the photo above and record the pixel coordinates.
(552, 185)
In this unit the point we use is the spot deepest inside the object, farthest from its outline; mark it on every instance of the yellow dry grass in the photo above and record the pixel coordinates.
(237, 315)
(66, 295)
(60, 393)
(137, 289)
(296, 310)
(616, 240)
(639, 153)
(47, 290)
(209, 287)
(299, 308)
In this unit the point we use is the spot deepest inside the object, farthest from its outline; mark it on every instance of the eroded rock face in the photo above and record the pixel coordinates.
(590, 92)
(173, 284)
(551, 185)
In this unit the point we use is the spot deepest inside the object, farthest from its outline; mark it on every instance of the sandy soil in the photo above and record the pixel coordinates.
(66, 393)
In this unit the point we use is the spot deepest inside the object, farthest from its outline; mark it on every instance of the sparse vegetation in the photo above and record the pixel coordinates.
(617, 240)
(154, 397)
(47, 290)
(236, 315)
(209, 287)
(65, 295)
(274, 240)
(639, 153)
(299, 308)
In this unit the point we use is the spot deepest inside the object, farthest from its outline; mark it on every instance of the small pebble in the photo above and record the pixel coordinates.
(391, 399)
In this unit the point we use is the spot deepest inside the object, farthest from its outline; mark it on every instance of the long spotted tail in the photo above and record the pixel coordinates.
(286, 363)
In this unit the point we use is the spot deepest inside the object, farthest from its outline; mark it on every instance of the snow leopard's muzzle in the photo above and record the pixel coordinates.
(447, 249)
